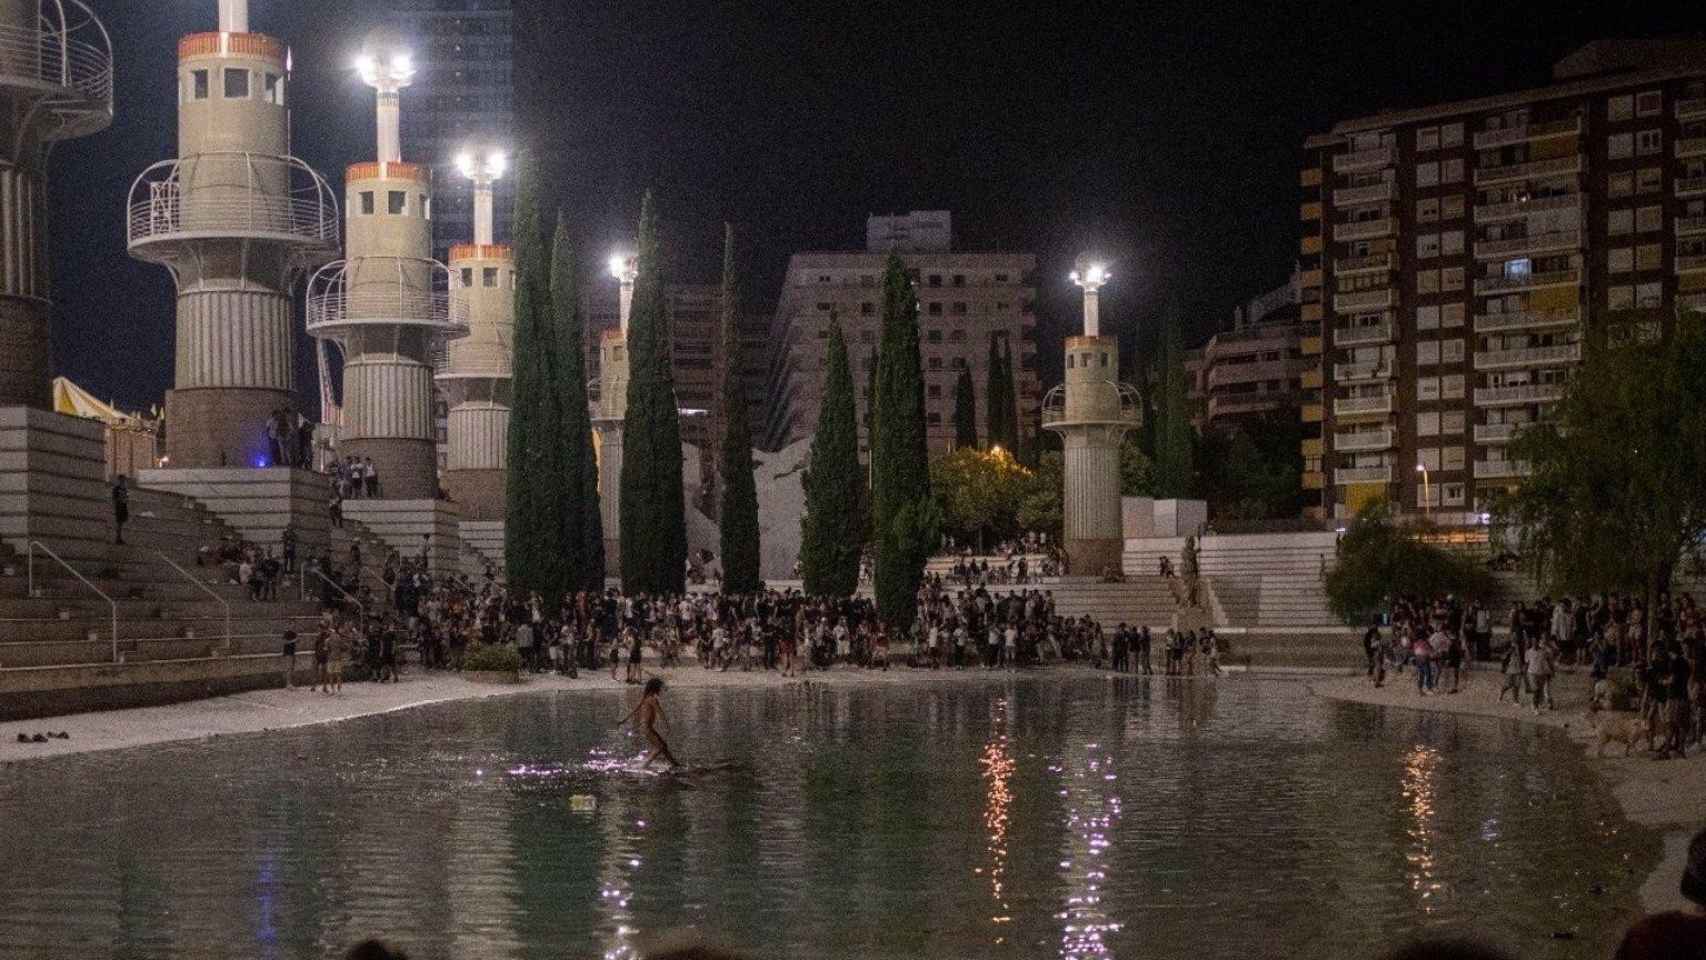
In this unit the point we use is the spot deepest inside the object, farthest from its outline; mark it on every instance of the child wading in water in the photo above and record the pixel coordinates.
(649, 712)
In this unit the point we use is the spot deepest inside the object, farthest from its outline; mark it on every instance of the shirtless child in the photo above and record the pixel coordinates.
(649, 712)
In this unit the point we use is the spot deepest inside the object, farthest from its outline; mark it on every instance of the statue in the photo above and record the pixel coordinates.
(1188, 569)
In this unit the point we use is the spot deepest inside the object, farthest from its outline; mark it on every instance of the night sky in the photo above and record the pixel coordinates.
(1163, 135)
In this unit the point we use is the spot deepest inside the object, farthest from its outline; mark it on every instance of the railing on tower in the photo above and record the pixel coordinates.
(1131, 403)
(232, 194)
(385, 291)
(66, 59)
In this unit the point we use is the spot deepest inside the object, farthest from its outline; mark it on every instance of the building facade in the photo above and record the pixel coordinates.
(462, 99)
(1255, 369)
(964, 300)
(1454, 257)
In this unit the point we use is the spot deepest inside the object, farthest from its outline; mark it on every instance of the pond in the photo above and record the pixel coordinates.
(1068, 816)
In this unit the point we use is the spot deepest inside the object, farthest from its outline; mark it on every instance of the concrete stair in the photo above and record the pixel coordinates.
(403, 523)
(1140, 601)
(482, 544)
(1313, 651)
(374, 552)
(1262, 580)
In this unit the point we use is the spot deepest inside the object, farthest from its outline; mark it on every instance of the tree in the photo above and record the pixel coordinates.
(906, 517)
(979, 492)
(998, 406)
(965, 411)
(535, 489)
(1174, 467)
(832, 528)
(1252, 472)
(1040, 504)
(1614, 499)
(582, 536)
(738, 535)
(654, 519)
(1377, 561)
(1010, 391)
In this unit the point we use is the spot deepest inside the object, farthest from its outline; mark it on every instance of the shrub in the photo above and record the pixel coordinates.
(492, 658)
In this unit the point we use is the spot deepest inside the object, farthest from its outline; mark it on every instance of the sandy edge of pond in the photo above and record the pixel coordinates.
(1666, 796)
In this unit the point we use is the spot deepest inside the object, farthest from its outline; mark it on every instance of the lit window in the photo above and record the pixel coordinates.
(236, 84)
(1519, 268)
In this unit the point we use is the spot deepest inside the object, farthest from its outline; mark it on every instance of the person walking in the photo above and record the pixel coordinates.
(1540, 669)
(121, 508)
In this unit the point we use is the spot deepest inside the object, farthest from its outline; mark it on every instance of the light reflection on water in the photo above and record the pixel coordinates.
(1039, 817)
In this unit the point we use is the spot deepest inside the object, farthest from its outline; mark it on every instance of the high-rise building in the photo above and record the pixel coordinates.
(461, 100)
(1254, 369)
(1455, 255)
(964, 300)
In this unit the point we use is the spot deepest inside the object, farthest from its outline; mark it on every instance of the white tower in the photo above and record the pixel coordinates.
(56, 83)
(475, 377)
(387, 305)
(236, 219)
(1092, 411)
(613, 408)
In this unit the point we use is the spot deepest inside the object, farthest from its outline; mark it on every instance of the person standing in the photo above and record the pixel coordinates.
(289, 659)
(288, 541)
(370, 478)
(121, 508)
(322, 660)
(1540, 670)
(1144, 641)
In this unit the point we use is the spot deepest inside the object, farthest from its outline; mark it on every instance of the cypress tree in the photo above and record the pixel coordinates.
(965, 411)
(535, 489)
(832, 529)
(1174, 470)
(870, 404)
(906, 517)
(582, 538)
(995, 414)
(1010, 392)
(654, 520)
(738, 536)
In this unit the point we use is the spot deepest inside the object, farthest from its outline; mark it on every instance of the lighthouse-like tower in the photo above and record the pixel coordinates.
(236, 219)
(56, 83)
(476, 375)
(1092, 411)
(612, 408)
(387, 305)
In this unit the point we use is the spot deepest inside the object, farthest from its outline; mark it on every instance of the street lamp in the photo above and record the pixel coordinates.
(1427, 496)
(1090, 275)
(626, 269)
(484, 169)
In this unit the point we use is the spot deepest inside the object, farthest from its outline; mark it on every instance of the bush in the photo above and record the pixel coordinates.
(1377, 561)
(492, 658)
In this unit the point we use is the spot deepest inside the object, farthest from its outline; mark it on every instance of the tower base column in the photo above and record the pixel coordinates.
(408, 469)
(479, 493)
(221, 426)
(1091, 558)
(26, 355)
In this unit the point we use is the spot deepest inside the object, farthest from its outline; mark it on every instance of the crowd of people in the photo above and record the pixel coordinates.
(1027, 559)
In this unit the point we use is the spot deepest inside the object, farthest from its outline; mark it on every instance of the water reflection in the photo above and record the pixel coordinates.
(997, 762)
(1092, 814)
(1420, 768)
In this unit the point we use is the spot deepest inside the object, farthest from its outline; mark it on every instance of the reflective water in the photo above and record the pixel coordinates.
(1042, 817)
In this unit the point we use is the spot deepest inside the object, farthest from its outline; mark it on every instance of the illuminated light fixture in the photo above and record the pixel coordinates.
(622, 267)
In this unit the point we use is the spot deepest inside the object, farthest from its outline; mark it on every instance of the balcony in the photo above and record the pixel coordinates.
(1692, 302)
(1493, 433)
(1364, 160)
(1373, 263)
(1488, 139)
(1527, 281)
(1367, 370)
(1363, 441)
(1690, 226)
(1354, 406)
(1691, 109)
(1528, 357)
(176, 204)
(1691, 147)
(1349, 475)
(1499, 469)
(1361, 336)
(1522, 208)
(1363, 300)
(1693, 264)
(1692, 187)
(1373, 193)
(1538, 243)
(1552, 167)
(1363, 229)
(1527, 319)
(1519, 396)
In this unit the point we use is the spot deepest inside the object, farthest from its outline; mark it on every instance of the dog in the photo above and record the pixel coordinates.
(1611, 728)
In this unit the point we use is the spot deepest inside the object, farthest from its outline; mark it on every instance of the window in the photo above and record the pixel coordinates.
(425, 206)
(272, 89)
(1620, 108)
(367, 202)
(1001, 278)
(1620, 184)
(198, 84)
(1427, 352)
(1427, 388)
(1427, 138)
(1619, 222)
(1451, 315)
(1619, 298)
(1620, 146)
(1427, 424)
(1428, 457)
(959, 279)
(1451, 171)
(934, 391)
(1648, 142)
(934, 419)
(1427, 174)
(1451, 458)
(1451, 242)
(1427, 245)
(867, 308)
(467, 276)
(1451, 351)
(1427, 318)
(1069, 361)
(1649, 219)
(1427, 281)
(1649, 295)
(1451, 422)
(1649, 256)
(1649, 103)
(1451, 135)
(935, 279)
(488, 276)
(933, 336)
(1649, 180)
(1451, 207)
(1518, 268)
(935, 363)
(1427, 211)
(934, 310)
(1451, 388)
(236, 84)
(1451, 280)
(1620, 260)
(959, 309)
(396, 202)
(823, 306)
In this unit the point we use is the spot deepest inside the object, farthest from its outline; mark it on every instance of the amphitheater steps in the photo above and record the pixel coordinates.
(1140, 601)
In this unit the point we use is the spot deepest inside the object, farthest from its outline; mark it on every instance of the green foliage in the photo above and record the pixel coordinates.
(535, 489)
(1175, 470)
(738, 512)
(1377, 561)
(1255, 473)
(582, 537)
(1137, 472)
(1615, 499)
(654, 519)
(832, 528)
(1039, 506)
(979, 491)
(965, 411)
(905, 515)
(492, 658)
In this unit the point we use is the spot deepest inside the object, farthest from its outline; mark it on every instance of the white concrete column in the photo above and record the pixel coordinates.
(479, 436)
(388, 398)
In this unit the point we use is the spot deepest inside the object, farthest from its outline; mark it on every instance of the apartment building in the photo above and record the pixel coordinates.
(964, 300)
(1255, 368)
(1454, 256)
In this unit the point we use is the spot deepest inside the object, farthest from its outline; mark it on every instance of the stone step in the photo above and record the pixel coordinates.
(204, 644)
(78, 627)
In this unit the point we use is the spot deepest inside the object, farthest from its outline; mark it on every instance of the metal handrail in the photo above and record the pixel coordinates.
(30, 556)
(347, 596)
(204, 589)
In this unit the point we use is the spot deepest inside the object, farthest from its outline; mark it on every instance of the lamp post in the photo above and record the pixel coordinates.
(1427, 494)
(1090, 276)
(484, 171)
(626, 269)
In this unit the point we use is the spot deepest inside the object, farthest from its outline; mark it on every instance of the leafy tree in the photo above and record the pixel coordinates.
(738, 535)
(832, 528)
(1378, 561)
(1253, 473)
(1614, 500)
(654, 519)
(536, 488)
(1039, 506)
(965, 411)
(979, 492)
(1137, 472)
(1175, 472)
(905, 516)
(582, 537)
